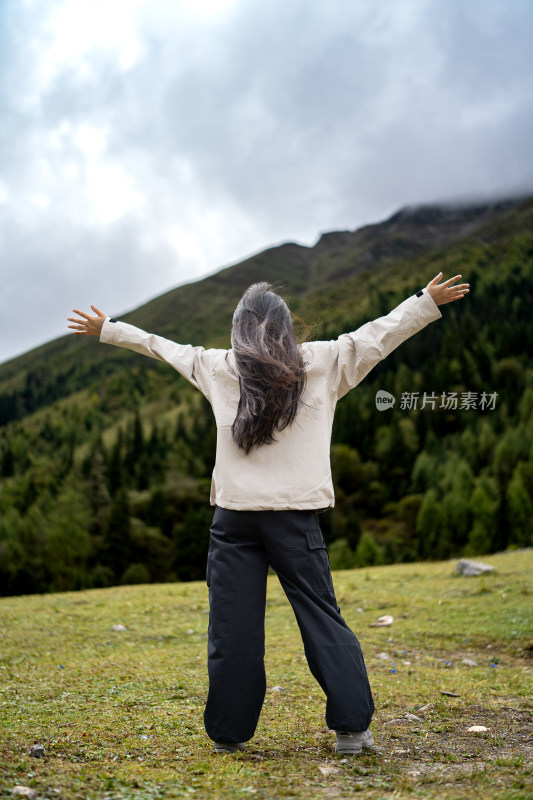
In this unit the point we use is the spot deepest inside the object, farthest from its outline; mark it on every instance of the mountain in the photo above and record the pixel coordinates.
(200, 312)
(105, 456)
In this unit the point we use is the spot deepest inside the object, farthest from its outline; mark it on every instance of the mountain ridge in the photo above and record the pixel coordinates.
(373, 247)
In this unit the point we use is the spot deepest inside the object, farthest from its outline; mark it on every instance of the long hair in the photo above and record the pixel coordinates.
(269, 365)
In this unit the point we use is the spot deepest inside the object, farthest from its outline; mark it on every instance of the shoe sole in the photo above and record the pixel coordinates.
(221, 749)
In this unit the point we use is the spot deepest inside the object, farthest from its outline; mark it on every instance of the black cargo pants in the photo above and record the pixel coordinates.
(242, 545)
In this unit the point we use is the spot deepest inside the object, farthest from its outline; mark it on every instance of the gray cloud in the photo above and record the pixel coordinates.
(165, 143)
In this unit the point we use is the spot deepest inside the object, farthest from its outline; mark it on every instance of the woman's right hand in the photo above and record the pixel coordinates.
(87, 325)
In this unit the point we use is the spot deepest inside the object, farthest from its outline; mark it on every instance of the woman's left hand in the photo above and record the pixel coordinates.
(446, 292)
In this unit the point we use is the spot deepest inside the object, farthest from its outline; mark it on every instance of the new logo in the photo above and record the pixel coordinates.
(384, 400)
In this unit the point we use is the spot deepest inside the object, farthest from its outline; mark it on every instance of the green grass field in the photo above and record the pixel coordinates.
(119, 713)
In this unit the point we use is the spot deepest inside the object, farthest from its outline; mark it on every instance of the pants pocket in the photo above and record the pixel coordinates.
(321, 579)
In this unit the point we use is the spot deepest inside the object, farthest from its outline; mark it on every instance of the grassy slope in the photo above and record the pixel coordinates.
(119, 714)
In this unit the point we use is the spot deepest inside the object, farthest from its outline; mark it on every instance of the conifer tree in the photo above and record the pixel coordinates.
(7, 468)
(114, 470)
(429, 525)
(98, 494)
(117, 546)
(520, 504)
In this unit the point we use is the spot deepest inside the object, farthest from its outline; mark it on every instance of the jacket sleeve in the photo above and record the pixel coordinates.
(191, 362)
(360, 351)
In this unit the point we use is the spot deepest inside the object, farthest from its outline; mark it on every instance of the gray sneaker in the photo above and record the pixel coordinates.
(353, 741)
(228, 747)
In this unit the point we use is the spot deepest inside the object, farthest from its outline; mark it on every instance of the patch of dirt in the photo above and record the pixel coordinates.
(509, 735)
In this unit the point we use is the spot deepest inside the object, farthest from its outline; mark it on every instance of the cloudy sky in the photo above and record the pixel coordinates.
(146, 143)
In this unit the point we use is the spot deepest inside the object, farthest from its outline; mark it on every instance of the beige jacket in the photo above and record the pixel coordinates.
(294, 472)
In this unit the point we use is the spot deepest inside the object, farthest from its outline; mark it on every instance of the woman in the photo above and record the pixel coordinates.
(274, 402)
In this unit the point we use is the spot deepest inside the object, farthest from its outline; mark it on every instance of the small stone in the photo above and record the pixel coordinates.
(469, 663)
(424, 707)
(449, 694)
(472, 568)
(477, 729)
(276, 689)
(37, 750)
(118, 628)
(383, 622)
(412, 718)
(384, 656)
(325, 769)
(190, 631)
(24, 791)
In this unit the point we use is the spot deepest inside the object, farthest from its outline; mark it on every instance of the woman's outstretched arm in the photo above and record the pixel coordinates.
(191, 362)
(356, 353)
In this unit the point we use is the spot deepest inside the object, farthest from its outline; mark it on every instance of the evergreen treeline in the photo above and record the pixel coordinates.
(111, 484)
